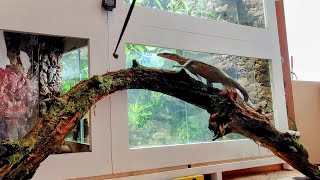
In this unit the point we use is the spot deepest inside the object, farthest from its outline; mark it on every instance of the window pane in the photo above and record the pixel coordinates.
(244, 12)
(74, 70)
(159, 119)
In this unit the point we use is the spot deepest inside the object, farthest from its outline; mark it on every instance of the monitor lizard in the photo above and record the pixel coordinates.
(210, 73)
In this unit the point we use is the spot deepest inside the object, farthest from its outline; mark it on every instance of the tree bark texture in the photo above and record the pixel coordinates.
(20, 159)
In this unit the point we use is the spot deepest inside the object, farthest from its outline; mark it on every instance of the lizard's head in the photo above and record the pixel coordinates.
(169, 55)
(181, 60)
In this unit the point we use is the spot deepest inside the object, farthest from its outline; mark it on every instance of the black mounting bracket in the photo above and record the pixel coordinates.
(109, 5)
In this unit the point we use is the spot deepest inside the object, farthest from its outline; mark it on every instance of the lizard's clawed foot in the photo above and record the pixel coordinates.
(219, 132)
(217, 127)
(232, 93)
(212, 121)
(214, 115)
(223, 92)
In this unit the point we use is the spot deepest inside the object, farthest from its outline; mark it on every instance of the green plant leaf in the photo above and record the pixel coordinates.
(158, 2)
(150, 48)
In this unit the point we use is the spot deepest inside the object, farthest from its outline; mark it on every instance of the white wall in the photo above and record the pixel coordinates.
(303, 27)
(307, 104)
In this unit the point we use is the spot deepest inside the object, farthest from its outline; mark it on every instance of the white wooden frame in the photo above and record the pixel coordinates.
(163, 29)
(215, 170)
(74, 18)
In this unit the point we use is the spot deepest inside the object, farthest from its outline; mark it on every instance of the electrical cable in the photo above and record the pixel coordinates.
(115, 55)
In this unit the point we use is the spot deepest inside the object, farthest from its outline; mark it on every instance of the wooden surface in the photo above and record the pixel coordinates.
(167, 169)
(270, 175)
(251, 171)
(272, 172)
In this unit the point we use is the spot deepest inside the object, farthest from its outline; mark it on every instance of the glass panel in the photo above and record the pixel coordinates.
(33, 70)
(74, 70)
(244, 12)
(159, 119)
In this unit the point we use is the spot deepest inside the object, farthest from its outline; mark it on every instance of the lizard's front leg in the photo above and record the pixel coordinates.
(232, 93)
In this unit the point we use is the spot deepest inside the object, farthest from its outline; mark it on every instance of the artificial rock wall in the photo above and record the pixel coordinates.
(245, 12)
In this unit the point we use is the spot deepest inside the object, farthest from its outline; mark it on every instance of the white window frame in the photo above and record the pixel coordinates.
(73, 18)
(163, 29)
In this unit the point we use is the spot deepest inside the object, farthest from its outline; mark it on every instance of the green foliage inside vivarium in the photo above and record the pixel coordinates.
(75, 68)
(244, 12)
(158, 119)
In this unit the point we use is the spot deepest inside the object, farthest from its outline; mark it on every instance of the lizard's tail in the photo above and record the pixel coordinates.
(181, 60)
(242, 90)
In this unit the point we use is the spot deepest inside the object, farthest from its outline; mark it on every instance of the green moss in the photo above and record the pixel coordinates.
(298, 145)
(61, 102)
(53, 113)
(100, 82)
(70, 108)
(105, 86)
(91, 96)
(15, 158)
(24, 142)
(119, 82)
(96, 81)
(78, 101)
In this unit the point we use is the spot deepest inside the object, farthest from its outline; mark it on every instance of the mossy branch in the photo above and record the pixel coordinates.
(19, 160)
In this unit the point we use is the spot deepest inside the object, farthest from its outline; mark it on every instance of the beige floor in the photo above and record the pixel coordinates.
(273, 175)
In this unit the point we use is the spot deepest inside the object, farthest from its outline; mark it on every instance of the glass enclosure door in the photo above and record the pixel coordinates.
(153, 130)
(156, 119)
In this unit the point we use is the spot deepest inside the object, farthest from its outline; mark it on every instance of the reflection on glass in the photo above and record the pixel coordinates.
(34, 69)
(159, 119)
(75, 69)
(244, 12)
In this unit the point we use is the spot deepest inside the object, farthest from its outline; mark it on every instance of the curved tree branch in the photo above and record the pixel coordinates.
(20, 159)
